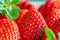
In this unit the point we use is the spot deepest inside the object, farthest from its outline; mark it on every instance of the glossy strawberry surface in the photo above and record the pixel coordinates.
(42, 10)
(52, 15)
(26, 5)
(8, 30)
(31, 25)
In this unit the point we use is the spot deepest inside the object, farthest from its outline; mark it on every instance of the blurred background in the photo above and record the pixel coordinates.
(37, 3)
(36, 0)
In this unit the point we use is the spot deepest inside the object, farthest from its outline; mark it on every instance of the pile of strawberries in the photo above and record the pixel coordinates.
(31, 23)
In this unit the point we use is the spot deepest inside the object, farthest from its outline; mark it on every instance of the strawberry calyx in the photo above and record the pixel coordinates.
(9, 8)
(49, 34)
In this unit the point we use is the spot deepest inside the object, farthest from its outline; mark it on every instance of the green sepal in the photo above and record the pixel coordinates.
(9, 8)
(2, 1)
(2, 11)
(15, 1)
(12, 12)
(7, 1)
(49, 33)
(1, 6)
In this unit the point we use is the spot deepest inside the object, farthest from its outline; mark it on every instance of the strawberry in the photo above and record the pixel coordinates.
(21, 14)
(52, 11)
(42, 10)
(26, 4)
(54, 25)
(44, 37)
(2, 16)
(8, 30)
(31, 24)
(49, 6)
(20, 5)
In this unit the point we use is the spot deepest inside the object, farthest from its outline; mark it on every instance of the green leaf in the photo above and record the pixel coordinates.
(49, 33)
(7, 1)
(1, 6)
(15, 1)
(12, 12)
(9, 8)
(2, 11)
(2, 1)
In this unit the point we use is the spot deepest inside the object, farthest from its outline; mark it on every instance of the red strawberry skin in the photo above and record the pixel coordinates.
(44, 37)
(21, 14)
(50, 5)
(32, 25)
(2, 16)
(42, 10)
(8, 30)
(20, 5)
(52, 11)
(25, 5)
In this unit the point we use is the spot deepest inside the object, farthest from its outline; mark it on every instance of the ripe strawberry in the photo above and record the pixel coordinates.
(54, 25)
(42, 10)
(44, 37)
(2, 16)
(21, 14)
(8, 30)
(49, 6)
(31, 24)
(52, 11)
(25, 5)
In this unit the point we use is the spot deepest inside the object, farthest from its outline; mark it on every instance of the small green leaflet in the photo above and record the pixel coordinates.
(15, 1)
(12, 12)
(49, 33)
(12, 1)
(1, 6)
(2, 2)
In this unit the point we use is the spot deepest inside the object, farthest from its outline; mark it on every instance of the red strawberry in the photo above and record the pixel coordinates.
(25, 5)
(31, 25)
(54, 25)
(2, 16)
(21, 14)
(8, 30)
(20, 5)
(52, 11)
(49, 6)
(44, 37)
(42, 10)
